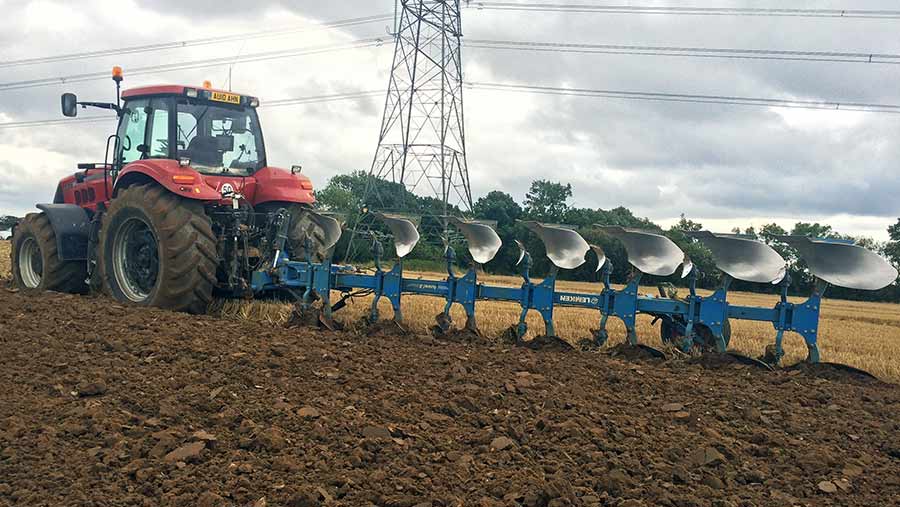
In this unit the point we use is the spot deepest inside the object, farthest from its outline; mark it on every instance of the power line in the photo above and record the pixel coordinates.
(558, 47)
(549, 90)
(688, 11)
(691, 98)
(41, 123)
(697, 52)
(195, 64)
(343, 23)
(314, 99)
(322, 98)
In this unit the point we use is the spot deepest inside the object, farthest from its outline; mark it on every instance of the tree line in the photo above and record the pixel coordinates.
(548, 202)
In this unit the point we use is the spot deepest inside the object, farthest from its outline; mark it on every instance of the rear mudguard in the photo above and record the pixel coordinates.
(72, 227)
(279, 185)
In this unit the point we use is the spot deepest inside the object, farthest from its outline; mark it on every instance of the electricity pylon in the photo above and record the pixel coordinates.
(422, 142)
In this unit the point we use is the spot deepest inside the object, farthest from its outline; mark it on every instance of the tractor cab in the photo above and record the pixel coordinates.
(214, 132)
(195, 141)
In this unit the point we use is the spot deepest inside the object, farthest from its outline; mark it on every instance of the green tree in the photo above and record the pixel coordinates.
(892, 249)
(686, 224)
(894, 231)
(584, 217)
(623, 217)
(337, 197)
(547, 201)
(500, 207)
(815, 230)
(749, 231)
(344, 193)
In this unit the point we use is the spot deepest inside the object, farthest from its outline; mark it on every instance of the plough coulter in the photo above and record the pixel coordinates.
(687, 324)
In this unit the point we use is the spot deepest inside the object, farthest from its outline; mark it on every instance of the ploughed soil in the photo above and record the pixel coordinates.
(102, 405)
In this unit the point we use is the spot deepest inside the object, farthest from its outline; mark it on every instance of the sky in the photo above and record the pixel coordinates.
(721, 165)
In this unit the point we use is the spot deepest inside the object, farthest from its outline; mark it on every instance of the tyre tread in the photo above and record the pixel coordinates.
(189, 243)
(58, 275)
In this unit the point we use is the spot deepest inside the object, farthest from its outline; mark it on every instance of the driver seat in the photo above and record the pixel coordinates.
(204, 151)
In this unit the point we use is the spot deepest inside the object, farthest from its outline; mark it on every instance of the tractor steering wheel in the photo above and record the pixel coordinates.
(126, 148)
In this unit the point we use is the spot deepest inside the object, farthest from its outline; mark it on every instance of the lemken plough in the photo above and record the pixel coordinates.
(690, 323)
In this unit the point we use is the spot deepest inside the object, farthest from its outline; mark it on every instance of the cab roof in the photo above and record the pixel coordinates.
(169, 90)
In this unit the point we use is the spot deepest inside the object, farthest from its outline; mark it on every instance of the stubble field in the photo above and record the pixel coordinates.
(860, 334)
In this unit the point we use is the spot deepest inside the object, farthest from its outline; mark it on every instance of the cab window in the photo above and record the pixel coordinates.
(218, 138)
(159, 129)
(132, 130)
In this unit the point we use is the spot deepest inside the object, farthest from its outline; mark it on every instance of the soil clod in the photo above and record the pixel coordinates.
(201, 411)
(633, 353)
(544, 342)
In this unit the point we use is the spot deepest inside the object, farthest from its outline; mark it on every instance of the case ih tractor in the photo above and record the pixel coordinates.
(187, 207)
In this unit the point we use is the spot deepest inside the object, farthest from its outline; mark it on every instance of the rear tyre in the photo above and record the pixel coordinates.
(35, 259)
(158, 249)
(302, 223)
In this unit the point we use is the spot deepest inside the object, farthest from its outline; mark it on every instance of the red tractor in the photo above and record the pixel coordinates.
(187, 208)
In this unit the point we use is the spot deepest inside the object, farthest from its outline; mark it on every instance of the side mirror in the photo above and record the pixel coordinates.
(69, 105)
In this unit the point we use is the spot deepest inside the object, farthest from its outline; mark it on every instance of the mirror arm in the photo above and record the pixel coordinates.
(102, 105)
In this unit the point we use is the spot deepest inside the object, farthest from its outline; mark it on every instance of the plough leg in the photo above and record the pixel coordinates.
(631, 330)
(812, 352)
(549, 328)
(522, 328)
(373, 312)
(779, 348)
(601, 336)
(629, 315)
(398, 314)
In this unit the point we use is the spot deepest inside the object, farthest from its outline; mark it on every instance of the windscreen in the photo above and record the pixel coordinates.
(219, 138)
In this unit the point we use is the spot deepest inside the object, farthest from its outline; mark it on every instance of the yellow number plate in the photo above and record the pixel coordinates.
(226, 97)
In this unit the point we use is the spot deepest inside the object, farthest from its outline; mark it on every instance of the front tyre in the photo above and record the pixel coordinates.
(158, 249)
(35, 259)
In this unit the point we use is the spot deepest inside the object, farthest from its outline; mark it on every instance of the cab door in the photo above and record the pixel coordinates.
(132, 133)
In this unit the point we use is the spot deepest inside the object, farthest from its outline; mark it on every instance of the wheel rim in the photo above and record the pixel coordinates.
(135, 259)
(31, 264)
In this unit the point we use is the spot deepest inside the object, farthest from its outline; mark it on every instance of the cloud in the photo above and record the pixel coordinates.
(725, 164)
